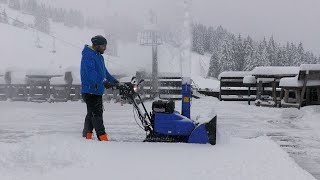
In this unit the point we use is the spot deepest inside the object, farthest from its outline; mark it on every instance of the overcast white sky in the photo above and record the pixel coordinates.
(286, 20)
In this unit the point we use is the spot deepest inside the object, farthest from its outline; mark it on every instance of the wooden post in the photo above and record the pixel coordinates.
(259, 90)
(286, 96)
(249, 94)
(297, 95)
(220, 90)
(318, 95)
(303, 91)
(281, 95)
(274, 92)
(308, 96)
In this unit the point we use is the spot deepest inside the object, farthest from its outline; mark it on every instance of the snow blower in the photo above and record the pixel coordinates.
(164, 124)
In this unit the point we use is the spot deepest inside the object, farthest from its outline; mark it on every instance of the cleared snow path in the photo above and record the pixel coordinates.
(42, 141)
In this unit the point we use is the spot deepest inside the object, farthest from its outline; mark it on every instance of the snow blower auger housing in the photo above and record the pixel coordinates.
(164, 124)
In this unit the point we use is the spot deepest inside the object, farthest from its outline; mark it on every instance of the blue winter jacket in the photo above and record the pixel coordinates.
(93, 72)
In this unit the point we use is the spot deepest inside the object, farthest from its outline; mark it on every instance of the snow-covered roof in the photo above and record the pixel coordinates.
(235, 74)
(310, 67)
(42, 72)
(265, 80)
(18, 77)
(275, 70)
(58, 81)
(249, 80)
(294, 82)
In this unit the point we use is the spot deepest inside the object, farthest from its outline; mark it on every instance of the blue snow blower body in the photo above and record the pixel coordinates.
(164, 124)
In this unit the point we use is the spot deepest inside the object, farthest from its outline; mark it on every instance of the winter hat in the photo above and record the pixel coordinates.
(99, 40)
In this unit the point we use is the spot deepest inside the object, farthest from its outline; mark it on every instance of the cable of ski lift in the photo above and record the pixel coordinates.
(60, 39)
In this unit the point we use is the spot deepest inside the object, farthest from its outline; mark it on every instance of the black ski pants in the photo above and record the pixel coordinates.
(94, 118)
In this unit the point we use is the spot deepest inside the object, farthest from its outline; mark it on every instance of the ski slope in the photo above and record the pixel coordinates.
(20, 51)
(43, 141)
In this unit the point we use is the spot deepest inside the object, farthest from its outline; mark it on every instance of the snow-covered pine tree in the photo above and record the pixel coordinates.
(272, 52)
(281, 56)
(198, 39)
(248, 54)
(287, 55)
(29, 7)
(300, 55)
(227, 61)
(238, 55)
(59, 15)
(78, 19)
(15, 4)
(214, 67)
(263, 53)
(70, 18)
(210, 37)
(41, 21)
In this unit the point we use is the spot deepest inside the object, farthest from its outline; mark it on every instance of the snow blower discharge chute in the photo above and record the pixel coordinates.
(164, 124)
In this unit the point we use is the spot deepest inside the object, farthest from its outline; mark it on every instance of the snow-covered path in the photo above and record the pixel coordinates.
(296, 131)
(43, 141)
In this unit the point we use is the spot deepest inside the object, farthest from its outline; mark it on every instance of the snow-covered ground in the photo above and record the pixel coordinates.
(43, 141)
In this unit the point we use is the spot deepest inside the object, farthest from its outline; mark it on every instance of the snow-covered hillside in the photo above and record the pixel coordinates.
(24, 53)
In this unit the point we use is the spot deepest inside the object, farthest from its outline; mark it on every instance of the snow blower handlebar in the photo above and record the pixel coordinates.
(129, 91)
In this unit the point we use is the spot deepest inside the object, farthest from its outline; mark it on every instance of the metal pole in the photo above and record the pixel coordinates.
(154, 64)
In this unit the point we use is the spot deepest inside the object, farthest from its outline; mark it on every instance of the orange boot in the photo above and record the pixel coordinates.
(104, 137)
(89, 136)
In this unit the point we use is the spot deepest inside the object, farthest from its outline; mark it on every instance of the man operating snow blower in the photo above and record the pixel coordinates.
(94, 78)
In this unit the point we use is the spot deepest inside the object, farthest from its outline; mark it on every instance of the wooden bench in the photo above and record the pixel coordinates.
(271, 75)
(306, 87)
(233, 88)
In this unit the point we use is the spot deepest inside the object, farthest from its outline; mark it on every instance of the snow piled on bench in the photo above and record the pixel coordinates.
(249, 80)
(294, 82)
(234, 74)
(58, 81)
(75, 72)
(310, 67)
(275, 70)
